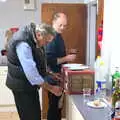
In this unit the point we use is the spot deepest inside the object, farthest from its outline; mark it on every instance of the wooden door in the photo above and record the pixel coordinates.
(75, 34)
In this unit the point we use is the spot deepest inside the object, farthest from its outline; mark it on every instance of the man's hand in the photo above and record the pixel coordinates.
(70, 57)
(67, 58)
(56, 90)
(56, 76)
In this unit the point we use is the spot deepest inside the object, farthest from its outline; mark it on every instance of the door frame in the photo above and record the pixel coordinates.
(91, 33)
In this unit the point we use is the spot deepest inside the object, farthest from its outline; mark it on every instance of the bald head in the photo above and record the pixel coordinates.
(58, 15)
(59, 22)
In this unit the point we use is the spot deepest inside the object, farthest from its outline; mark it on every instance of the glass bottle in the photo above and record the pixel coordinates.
(116, 92)
(115, 76)
(100, 81)
(116, 100)
(117, 110)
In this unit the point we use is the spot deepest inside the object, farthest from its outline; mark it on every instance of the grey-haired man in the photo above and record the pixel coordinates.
(27, 68)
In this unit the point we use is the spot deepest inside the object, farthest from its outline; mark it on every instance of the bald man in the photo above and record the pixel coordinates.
(56, 56)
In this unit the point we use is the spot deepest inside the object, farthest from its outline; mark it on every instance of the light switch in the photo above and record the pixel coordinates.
(29, 4)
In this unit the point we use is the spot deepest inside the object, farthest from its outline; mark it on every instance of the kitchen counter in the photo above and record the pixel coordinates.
(3, 60)
(77, 109)
(6, 97)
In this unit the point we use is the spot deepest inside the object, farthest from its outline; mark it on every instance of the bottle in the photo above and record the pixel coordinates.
(100, 81)
(116, 100)
(117, 110)
(116, 92)
(115, 76)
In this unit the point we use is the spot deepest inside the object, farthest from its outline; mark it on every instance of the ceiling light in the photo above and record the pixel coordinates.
(3, 0)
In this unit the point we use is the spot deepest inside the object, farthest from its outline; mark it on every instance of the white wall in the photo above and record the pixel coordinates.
(13, 14)
(111, 36)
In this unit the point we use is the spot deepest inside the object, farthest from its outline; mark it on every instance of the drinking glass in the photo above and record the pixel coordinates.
(86, 94)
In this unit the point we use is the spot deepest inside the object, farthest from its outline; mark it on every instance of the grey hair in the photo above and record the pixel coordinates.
(45, 29)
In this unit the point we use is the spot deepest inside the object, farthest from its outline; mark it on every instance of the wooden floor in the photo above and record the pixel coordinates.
(9, 113)
(10, 116)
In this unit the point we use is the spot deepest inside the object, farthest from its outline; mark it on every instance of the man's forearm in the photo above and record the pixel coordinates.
(47, 86)
(53, 89)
